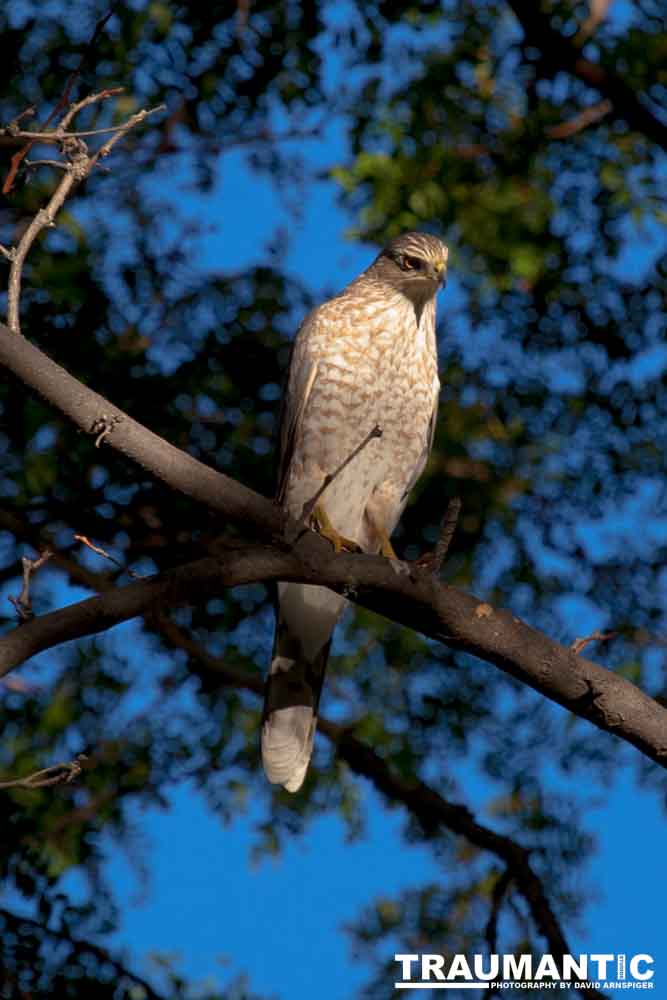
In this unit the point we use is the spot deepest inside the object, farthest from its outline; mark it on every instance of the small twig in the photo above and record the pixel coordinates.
(102, 552)
(449, 522)
(309, 506)
(101, 95)
(103, 426)
(58, 135)
(60, 164)
(13, 127)
(580, 644)
(58, 774)
(23, 603)
(122, 130)
(581, 121)
(9, 254)
(433, 561)
(597, 13)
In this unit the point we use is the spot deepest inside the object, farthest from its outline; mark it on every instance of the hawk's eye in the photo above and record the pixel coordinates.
(412, 263)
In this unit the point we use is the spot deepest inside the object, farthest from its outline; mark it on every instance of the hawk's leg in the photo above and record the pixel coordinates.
(320, 521)
(373, 514)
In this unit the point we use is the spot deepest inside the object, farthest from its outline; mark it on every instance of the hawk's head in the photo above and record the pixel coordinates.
(415, 263)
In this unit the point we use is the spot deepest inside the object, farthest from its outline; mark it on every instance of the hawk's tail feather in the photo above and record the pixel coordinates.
(289, 719)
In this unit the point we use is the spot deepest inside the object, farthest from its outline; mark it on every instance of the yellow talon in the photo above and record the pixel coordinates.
(322, 524)
(380, 532)
(387, 549)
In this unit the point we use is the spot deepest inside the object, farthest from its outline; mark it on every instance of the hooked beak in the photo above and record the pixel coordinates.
(439, 272)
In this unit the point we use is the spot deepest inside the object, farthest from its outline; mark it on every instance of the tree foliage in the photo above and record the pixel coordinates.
(533, 141)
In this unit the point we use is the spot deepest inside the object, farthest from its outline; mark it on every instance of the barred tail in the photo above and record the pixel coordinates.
(306, 619)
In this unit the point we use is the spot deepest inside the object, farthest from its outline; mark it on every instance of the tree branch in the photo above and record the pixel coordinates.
(79, 948)
(62, 103)
(79, 164)
(432, 811)
(23, 603)
(416, 600)
(91, 412)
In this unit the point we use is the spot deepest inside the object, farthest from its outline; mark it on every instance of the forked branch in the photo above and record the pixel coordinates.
(78, 162)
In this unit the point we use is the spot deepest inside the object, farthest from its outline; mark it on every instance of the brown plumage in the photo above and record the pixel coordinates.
(366, 357)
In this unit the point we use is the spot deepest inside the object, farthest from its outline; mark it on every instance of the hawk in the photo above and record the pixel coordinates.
(365, 358)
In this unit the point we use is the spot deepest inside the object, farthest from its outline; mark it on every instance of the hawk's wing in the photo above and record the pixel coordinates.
(428, 445)
(302, 374)
(306, 615)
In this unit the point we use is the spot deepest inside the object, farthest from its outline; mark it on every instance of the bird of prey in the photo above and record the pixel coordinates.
(365, 358)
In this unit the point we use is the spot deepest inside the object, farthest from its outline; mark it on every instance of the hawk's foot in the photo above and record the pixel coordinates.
(319, 520)
(374, 518)
(387, 549)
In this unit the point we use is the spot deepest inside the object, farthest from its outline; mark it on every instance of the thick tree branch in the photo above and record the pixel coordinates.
(91, 412)
(559, 52)
(415, 600)
(434, 813)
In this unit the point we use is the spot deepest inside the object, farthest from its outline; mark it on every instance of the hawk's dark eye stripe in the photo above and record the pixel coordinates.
(412, 263)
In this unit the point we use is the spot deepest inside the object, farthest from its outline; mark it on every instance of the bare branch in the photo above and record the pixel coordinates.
(57, 135)
(64, 97)
(78, 166)
(416, 600)
(579, 645)
(44, 218)
(40, 539)
(122, 130)
(23, 603)
(68, 118)
(13, 127)
(102, 552)
(433, 561)
(57, 164)
(93, 413)
(581, 121)
(57, 774)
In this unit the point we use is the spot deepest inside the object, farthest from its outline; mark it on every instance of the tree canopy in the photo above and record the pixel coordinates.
(531, 137)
